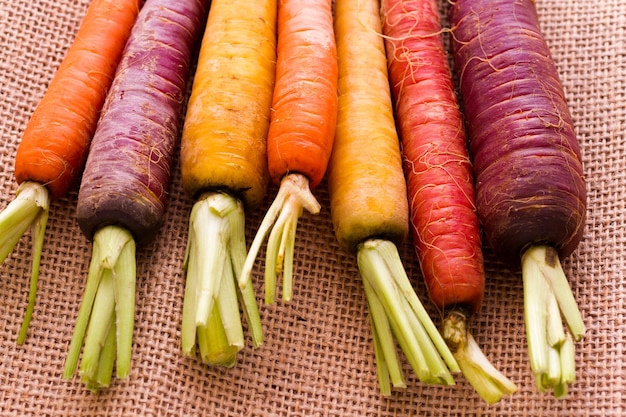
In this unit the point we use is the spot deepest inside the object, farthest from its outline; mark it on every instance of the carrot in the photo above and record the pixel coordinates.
(123, 190)
(444, 224)
(54, 145)
(301, 132)
(369, 205)
(224, 167)
(530, 189)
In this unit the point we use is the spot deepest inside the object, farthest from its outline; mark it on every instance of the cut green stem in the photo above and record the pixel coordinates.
(396, 309)
(216, 251)
(548, 301)
(29, 209)
(108, 306)
(488, 382)
(293, 195)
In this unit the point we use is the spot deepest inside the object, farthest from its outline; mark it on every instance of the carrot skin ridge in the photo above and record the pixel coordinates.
(304, 103)
(224, 167)
(54, 144)
(224, 141)
(530, 189)
(521, 132)
(301, 132)
(369, 204)
(128, 170)
(444, 224)
(123, 190)
(56, 139)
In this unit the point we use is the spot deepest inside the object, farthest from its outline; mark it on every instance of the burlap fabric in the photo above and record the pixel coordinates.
(317, 359)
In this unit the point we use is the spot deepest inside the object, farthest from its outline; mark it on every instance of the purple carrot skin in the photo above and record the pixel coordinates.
(444, 224)
(123, 190)
(530, 190)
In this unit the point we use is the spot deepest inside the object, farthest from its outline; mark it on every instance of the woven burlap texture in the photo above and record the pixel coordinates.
(317, 359)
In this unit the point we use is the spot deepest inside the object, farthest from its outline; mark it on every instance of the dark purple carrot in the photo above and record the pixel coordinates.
(530, 190)
(127, 174)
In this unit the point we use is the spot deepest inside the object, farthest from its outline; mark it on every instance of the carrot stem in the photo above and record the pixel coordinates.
(380, 266)
(293, 195)
(29, 209)
(387, 363)
(488, 382)
(107, 361)
(215, 254)
(100, 322)
(548, 300)
(108, 303)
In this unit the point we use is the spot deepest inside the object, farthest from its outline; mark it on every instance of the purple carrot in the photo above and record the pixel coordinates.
(123, 191)
(530, 190)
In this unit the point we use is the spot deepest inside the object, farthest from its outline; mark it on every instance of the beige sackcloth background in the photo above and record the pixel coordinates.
(317, 359)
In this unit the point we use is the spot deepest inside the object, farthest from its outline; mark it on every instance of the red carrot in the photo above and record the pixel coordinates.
(55, 142)
(301, 133)
(444, 224)
(126, 178)
(530, 190)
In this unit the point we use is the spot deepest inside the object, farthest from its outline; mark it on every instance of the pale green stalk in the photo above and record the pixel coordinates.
(394, 305)
(548, 302)
(280, 221)
(387, 362)
(29, 209)
(108, 306)
(215, 254)
(488, 382)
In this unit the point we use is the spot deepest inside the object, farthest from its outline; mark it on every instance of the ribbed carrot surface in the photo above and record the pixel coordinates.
(225, 134)
(56, 140)
(305, 97)
(444, 224)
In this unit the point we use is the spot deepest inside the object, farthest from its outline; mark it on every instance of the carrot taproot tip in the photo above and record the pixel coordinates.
(396, 310)
(215, 253)
(293, 195)
(106, 317)
(29, 210)
(548, 301)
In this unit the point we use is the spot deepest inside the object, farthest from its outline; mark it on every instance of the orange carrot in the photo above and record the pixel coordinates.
(54, 146)
(444, 223)
(224, 167)
(369, 205)
(301, 133)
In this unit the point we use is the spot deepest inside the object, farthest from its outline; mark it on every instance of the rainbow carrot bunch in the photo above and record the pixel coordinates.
(53, 149)
(444, 223)
(530, 190)
(224, 167)
(123, 190)
(369, 205)
(301, 133)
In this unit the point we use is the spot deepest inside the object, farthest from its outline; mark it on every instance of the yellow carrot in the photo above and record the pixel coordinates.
(368, 201)
(224, 167)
